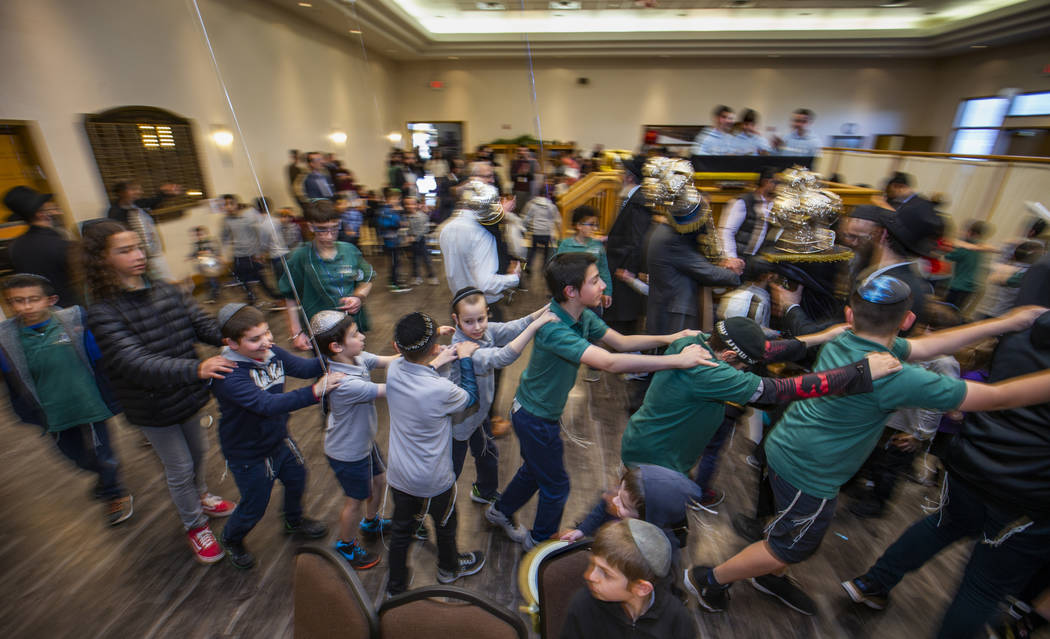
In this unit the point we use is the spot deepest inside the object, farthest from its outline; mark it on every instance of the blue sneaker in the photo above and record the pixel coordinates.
(355, 555)
(373, 527)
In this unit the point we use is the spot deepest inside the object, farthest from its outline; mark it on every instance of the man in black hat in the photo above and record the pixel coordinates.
(624, 250)
(43, 249)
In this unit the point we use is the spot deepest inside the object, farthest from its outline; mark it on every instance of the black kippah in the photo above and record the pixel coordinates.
(744, 336)
(414, 332)
(464, 293)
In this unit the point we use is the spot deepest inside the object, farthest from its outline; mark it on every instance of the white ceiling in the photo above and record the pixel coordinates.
(429, 29)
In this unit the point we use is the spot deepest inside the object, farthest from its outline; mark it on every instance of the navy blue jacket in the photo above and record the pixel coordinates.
(253, 403)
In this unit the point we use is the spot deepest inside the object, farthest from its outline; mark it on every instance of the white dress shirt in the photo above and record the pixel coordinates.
(469, 253)
(802, 146)
(733, 217)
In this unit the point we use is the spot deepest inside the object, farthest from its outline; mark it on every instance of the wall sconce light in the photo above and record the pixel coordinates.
(222, 138)
(395, 138)
(338, 137)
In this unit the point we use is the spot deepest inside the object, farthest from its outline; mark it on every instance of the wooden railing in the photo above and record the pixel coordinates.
(600, 190)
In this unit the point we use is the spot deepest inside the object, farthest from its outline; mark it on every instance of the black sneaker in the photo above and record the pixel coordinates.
(355, 555)
(469, 564)
(749, 528)
(306, 528)
(865, 591)
(238, 554)
(710, 598)
(787, 591)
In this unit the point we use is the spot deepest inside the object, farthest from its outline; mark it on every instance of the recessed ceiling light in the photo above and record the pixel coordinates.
(978, 46)
(563, 5)
(453, 57)
(355, 31)
(490, 6)
(305, 4)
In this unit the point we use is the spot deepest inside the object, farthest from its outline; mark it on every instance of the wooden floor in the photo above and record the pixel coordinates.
(66, 574)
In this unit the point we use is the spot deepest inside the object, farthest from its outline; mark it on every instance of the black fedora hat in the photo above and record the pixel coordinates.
(916, 224)
(24, 202)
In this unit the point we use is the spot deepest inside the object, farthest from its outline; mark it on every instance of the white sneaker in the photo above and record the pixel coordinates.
(515, 532)
(417, 281)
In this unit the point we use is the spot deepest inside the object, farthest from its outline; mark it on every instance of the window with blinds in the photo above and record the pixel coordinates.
(151, 146)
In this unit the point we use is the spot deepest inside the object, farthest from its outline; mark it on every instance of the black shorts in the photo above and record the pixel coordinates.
(356, 477)
(800, 525)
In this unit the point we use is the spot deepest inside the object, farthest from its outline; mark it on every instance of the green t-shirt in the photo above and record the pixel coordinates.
(820, 443)
(595, 248)
(66, 388)
(682, 410)
(322, 283)
(964, 274)
(556, 352)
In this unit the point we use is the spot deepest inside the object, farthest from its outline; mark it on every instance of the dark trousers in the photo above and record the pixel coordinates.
(409, 511)
(958, 299)
(1005, 558)
(395, 260)
(496, 315)
(277, 268)
(87, 446)
(542, 469)
(538, 242)
(705, 470)
(255, 482)
(486, 458)
(421, 256)
(886, 465)
(248, 271)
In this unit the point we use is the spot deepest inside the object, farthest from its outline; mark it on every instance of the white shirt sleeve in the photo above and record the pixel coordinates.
(729, 224)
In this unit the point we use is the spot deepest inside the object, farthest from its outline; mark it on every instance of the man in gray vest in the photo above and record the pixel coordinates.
(744, 225)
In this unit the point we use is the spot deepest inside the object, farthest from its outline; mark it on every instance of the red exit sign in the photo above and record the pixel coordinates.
(437, 85)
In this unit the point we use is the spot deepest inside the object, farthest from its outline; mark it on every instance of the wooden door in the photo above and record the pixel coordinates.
(18, 167)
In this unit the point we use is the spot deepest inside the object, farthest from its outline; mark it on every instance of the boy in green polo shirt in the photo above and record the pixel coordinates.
(48, 360)
(683, 408)
(327, 275)
(557, 352)
(821, 443)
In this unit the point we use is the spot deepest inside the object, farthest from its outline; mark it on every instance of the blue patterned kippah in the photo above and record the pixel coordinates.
(883, 289)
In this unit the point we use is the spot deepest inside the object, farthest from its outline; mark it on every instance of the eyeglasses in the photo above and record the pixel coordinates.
(587, 224)
(325, 230)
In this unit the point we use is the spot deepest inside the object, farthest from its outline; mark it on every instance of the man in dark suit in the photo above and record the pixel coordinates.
(43, 249)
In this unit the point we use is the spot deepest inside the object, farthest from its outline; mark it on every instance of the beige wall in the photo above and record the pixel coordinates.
(290, 83)
(881, 96)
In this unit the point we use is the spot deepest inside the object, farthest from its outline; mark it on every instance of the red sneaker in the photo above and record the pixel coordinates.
(215, 506)
(205, 548)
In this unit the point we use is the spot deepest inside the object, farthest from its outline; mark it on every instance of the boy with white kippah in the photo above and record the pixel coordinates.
(349, 439)
(627, 591)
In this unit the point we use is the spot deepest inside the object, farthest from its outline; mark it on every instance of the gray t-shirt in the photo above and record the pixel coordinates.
(242, 232)
(421, 406)
(351, 427)
(492, 353)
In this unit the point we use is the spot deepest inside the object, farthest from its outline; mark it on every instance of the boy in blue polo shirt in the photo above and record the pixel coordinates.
(822, 442)
(558, 350)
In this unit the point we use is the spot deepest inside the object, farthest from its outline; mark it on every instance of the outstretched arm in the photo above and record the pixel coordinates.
(1012, 393)
(692, 355)
(954, 339)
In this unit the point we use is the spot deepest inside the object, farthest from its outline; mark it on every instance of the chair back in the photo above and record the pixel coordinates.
(449, 613)
(560, 576)
(329, 599)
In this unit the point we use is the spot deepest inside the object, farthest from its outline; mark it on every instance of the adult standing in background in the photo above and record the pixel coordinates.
(745, 223)
(718, 139)
(523, 172)
(43, 249)
(317, 184)
(293, 170)
(624, 248)
(800, 141)
(135, 212)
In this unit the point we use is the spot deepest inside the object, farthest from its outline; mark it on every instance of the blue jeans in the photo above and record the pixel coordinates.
(705, 470)
(486, 458)
(255, 482)
(87, 445)
(995, 570)
(542, 469)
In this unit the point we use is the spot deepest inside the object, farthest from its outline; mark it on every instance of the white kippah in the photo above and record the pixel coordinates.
(653, 544)
(325, 321)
